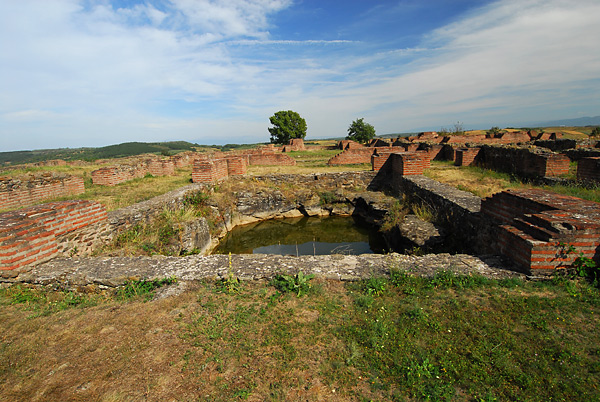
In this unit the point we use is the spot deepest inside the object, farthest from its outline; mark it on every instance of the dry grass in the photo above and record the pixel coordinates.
(479, 182)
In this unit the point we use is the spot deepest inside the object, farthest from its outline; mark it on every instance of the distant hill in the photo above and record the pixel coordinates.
(578, 122)
(90, 154)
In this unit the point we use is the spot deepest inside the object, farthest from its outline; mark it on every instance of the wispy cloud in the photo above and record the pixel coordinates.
(76, 73)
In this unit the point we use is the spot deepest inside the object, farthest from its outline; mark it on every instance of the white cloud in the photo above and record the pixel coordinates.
(200, 69)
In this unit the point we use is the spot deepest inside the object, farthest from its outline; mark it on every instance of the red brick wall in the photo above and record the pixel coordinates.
(297, 144)
(465, 156)
(537, 227)
(588, 169)
(408, 163)
(352, 156)
(209, 170)
(272, 159)
(349, 144)
(31, 236)
(158, 167)
(15, 194)
(236, 165)
(110, 176)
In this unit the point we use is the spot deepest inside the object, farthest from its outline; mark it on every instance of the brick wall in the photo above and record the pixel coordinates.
(16, 193)
(351, 156)
(588, 169)
(408, 163)
(536, 227)
(349, 144)
(158, 167)
(466, 156)
(297, 144)
(34, 235)
(237, 165)
(271, 159)
(113, 175)
(209, 170)
(524, 161)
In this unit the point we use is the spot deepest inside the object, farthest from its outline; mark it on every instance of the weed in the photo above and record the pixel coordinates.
(142, 288)
(229, 284)
(375, 285)
(299, 284)
(327, 197)
(196, 199)
(423, 212)
(394, 217)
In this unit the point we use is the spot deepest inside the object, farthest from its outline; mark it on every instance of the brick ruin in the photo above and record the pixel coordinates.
(533, 228)
(219, 166)
(15, 193)
(39, 233)
(536, 229)
(113, 175)
(296, 144)
(212, 169)
(588, 169)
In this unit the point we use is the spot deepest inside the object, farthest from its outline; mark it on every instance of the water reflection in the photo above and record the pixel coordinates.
(303, 236)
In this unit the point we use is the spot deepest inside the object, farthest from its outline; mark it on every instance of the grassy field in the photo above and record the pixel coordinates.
(402, 338)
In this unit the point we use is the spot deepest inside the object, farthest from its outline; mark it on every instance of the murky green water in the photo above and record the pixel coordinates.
(303, 236)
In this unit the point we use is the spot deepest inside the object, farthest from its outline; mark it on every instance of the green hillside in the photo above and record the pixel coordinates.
(90, 154)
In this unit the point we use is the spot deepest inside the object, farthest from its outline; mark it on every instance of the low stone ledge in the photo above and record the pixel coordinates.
(73, 273)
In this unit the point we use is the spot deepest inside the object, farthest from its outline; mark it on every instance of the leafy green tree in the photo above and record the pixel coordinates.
(360, 131)
(595, 132)
(286, 125)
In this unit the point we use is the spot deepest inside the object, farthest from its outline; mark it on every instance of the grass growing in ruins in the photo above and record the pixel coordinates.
(484, 182)
(454, 338)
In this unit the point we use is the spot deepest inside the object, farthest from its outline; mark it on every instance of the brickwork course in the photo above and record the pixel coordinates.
(32, 235)
(536, 228)
(16, 193)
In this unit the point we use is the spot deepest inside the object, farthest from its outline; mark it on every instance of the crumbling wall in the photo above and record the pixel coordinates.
(541, 231)
(39, 233)
(113, 175)
(351, 156)
(15, 193)
(588, 169)
(524, 162)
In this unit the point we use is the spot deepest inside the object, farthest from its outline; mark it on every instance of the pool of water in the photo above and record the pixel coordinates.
(303, 236)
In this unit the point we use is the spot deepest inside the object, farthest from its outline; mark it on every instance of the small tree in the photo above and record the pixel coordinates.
(595, 132)
(494, 131)
(286, 125)
(360, 131)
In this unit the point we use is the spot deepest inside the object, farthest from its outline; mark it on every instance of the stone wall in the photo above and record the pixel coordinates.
(37, 234)
(15, 193)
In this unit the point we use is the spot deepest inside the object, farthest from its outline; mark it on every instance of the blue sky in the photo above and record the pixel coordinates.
(97, 72)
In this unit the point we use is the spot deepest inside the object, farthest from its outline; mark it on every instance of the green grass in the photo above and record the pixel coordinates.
(398, 338)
